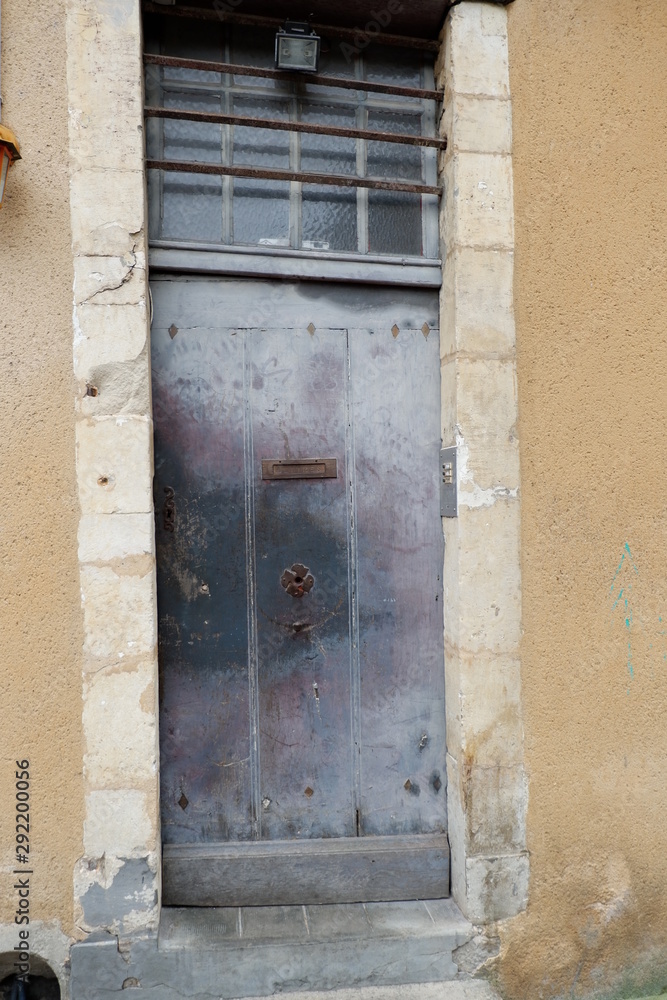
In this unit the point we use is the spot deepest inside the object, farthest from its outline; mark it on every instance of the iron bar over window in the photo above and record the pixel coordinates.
(370, 87)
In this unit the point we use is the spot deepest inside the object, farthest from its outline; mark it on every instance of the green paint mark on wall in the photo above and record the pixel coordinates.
(624, 594)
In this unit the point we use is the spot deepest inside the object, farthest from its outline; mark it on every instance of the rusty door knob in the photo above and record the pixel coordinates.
(298, 580)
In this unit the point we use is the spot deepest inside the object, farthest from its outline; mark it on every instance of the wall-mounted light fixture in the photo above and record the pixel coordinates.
(297, 47)
(9, 151)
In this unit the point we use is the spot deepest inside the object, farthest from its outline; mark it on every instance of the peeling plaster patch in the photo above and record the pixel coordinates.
(486, 498)
(79, 336)
(95, 871)
(476, 497)
(462, 458)
(123, 901)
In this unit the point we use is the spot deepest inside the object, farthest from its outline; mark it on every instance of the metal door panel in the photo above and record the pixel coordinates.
(199, 433)
(396, 417)
(319, 718)
(298, 409)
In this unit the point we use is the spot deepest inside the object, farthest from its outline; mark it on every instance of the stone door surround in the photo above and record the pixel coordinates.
(117, 881)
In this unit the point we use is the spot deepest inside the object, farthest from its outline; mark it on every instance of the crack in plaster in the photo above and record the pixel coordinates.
(110, 287)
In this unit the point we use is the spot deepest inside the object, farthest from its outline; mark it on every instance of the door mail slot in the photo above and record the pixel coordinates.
(299, 468)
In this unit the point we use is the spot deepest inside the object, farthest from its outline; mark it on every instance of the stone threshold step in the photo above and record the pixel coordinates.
(474, 989)
(339, 950)
(225, 927)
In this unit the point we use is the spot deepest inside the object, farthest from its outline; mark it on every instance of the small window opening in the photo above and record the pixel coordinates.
(237, 160)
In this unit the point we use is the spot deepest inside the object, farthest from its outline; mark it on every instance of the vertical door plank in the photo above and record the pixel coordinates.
(395, 411)
(202, 605)
(298, 385)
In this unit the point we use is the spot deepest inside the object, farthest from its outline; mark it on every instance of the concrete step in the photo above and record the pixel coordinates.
(474, 989)
(232, 953)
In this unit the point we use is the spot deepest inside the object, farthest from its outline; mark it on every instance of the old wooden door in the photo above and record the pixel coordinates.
(300, 557)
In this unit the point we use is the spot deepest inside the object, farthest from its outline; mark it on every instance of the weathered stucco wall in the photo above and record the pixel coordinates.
(589, 85)
(41, 629)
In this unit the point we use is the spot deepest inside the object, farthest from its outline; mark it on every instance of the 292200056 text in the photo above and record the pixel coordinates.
(22, 875)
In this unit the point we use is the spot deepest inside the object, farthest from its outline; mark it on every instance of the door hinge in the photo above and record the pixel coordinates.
(448, 495)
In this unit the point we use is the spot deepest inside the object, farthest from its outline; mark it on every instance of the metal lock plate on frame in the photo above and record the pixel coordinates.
(448, 494)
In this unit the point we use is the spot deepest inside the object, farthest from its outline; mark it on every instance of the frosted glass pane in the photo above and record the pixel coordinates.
(332, 63)
(255, 47)
(261, 207)
(400, 67)
(191, 203)
(191, 207)
(329, 215)
(334, 60)
(185, 140)
(328, 153)
(261, 146)
(391, 159)
(261, 212)
(394, 223)
(329, 218)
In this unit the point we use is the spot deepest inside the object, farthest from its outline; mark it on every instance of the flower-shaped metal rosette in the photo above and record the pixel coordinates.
(298, 580)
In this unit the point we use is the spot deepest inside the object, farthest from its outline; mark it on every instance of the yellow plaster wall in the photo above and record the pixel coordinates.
(589, 87)
(40, 620)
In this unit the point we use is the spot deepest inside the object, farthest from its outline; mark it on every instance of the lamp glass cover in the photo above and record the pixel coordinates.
(294, 52)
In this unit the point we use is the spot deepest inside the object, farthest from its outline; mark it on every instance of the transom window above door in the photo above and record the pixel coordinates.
(282, 162)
